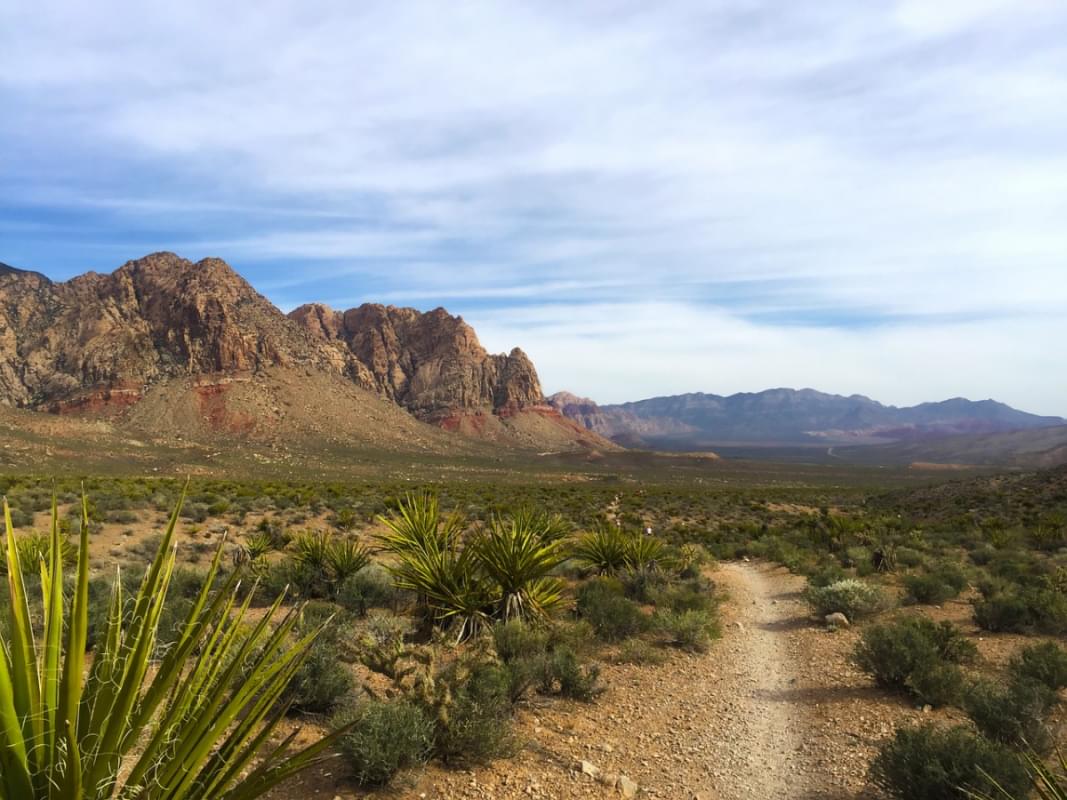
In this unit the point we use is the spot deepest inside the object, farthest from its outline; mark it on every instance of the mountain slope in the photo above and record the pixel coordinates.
(165, 345)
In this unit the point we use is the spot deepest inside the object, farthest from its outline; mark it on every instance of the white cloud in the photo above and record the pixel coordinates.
(892, 163)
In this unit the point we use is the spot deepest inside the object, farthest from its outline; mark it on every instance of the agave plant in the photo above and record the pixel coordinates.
(517, 554)
(196, 726)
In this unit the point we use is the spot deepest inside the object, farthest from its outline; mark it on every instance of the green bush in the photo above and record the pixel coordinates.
(574, 680)
(387, 737)
(613, 617)
(636, 651)
(1045, 663)
(1013, 713)
(371, 587)
(930, 763)
(1023, 609)
(853, 598)
(916, 655)
(689, 630)
(477, 727)
(936, 586)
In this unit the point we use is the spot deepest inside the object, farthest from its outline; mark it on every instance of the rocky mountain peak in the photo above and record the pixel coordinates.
(429, 362)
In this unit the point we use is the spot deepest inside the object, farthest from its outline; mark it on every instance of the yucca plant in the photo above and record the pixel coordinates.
(198, 725)
(644, 553)
(603, 550)
(1050, 783)
(517, 554)
(33, 548)
(346, 557)
(430, 561)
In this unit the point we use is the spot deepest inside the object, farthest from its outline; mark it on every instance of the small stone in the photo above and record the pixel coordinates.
(627, 788)
(836, 620)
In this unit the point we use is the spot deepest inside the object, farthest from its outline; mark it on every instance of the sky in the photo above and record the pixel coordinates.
(648, 198)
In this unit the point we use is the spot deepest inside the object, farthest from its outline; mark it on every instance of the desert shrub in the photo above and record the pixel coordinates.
(514, 640)
(20, 518)
(613, 617)
(1045, 663)
(533, 657)
(1023, 609)
(936, 586)
(323, 681)
(371, 587)
(694, 594)
(853, 598)
(386, 738)
(570, 678)
(477, 727)
(689, 630)
(916, 655)
(120, 517)
(1013, 713)
(826, 575)
(637, 651)
(931, 763)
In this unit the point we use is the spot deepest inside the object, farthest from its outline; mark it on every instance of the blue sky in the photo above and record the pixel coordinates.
(649, 198)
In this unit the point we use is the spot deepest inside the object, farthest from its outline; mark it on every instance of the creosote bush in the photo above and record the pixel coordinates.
(916, 655)
(853, 598)
(932, 763)
(602, 604)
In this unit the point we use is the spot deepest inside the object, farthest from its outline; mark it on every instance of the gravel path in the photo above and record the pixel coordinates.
(758, 750)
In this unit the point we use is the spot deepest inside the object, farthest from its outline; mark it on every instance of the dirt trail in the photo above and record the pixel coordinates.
(773, 710)
(759, 750)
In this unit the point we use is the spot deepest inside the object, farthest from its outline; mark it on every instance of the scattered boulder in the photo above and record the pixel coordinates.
(836, 620)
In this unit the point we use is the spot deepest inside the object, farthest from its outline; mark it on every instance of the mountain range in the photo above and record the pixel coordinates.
(166, 350)
(790, 417)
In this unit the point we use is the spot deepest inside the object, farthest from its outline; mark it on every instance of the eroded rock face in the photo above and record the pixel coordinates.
(94, 344)
(431, 363)
(107, 336)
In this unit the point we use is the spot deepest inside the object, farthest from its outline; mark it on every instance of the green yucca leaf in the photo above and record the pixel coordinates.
(194, 726)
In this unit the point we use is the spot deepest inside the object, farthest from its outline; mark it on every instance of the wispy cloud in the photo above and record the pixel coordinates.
(890, 174)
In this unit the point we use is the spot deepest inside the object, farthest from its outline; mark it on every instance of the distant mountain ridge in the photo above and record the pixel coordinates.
(789, 416)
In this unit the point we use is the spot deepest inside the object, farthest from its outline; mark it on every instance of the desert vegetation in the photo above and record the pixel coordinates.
(455, 606)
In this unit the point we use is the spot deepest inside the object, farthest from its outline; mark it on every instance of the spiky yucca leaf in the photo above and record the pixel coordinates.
(190, 729)
(644, 553)
(346, 557)
(603, 550)
(1050, 783)
(517, 554)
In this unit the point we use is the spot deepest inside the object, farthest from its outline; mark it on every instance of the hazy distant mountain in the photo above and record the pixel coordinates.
(789, 416)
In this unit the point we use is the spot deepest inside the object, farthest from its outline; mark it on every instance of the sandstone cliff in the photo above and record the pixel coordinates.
(105, 338)
(430, 363)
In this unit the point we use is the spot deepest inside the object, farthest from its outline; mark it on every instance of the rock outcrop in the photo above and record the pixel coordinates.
(98, 339)
(430, 363)
(164, 343)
